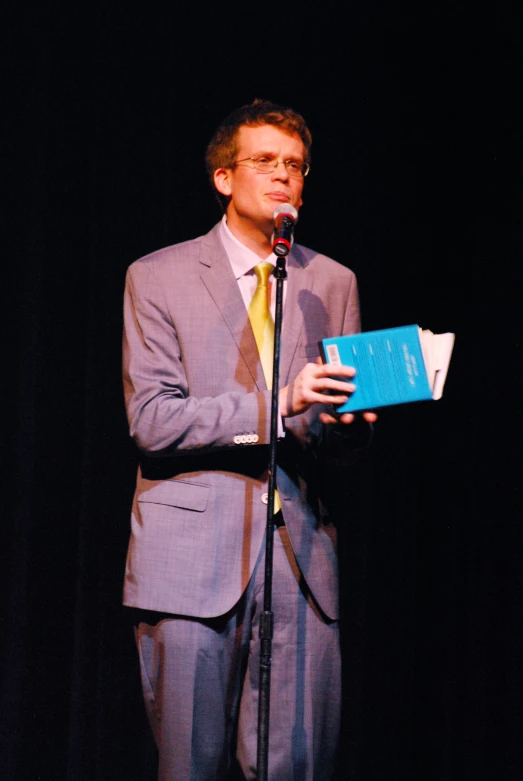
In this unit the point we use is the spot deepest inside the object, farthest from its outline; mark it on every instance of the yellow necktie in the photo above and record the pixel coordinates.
(263, 327)
(261, 319)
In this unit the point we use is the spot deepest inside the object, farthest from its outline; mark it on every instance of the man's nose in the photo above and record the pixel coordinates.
(280, 170)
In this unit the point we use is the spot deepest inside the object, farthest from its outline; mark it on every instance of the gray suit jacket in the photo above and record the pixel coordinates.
(199, 410)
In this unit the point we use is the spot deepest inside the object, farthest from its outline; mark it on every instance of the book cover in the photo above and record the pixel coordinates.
(393, 365)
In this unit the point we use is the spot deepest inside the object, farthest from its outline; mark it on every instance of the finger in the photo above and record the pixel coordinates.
(346, 418)
(326, 418)
(328, 370)
(314, 397)
(330, 419)
(370, 417)
(326, 383)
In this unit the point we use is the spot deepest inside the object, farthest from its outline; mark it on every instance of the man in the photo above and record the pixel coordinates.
(198, 403)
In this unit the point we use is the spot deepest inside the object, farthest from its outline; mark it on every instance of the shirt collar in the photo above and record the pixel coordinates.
(242, 259)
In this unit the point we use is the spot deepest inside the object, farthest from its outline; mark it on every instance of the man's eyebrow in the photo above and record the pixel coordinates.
(273, 154)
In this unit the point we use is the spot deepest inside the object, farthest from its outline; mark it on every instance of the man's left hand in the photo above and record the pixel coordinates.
(347, 417)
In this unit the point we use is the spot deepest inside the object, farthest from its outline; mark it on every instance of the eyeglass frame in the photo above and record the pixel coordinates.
(277, 161)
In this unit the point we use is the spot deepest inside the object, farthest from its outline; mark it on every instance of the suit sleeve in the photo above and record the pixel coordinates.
(164, 418)
(352, 319)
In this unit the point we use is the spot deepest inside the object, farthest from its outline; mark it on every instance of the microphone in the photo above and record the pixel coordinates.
(285, 218)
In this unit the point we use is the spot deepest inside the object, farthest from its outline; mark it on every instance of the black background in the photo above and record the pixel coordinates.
(416, 185)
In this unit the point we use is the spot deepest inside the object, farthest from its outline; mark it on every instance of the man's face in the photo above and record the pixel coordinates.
(255, 195)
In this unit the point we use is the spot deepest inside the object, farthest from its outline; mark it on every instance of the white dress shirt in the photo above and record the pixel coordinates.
(243, 260)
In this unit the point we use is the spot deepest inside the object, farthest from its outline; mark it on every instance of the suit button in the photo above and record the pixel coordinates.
(265, 498)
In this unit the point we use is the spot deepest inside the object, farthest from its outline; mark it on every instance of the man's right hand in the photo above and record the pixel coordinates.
(311, 386)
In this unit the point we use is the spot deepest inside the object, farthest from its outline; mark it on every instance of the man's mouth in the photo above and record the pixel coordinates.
(277, 195)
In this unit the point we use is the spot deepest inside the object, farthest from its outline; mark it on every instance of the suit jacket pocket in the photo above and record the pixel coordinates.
(178, 493)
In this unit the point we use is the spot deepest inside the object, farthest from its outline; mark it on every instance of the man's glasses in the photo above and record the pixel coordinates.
(266, 165)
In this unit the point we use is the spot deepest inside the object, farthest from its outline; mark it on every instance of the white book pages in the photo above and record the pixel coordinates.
(437, 351)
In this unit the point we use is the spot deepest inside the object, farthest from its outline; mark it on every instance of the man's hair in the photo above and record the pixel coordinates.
(223, 148)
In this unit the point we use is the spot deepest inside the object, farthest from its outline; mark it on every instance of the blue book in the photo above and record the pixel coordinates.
(393, 366)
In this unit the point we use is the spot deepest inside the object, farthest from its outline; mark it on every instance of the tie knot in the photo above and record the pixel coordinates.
(263, 271)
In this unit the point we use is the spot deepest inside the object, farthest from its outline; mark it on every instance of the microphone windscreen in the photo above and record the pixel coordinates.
(286, 208)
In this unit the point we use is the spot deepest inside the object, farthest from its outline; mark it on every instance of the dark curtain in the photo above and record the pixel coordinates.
(416, 185)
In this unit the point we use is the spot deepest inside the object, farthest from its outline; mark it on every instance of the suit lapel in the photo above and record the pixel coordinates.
(217, 276)
(299, 281)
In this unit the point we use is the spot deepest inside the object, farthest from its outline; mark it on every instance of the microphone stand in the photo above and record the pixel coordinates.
(267, 618)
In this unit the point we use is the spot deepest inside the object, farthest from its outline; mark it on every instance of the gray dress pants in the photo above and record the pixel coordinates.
(200, 683)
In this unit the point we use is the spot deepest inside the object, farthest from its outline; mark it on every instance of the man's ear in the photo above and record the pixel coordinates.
(222, 181)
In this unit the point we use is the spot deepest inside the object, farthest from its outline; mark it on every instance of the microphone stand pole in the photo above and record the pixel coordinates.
(267, 618)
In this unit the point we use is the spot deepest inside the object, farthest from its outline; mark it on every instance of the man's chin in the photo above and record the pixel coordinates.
(265, 223)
